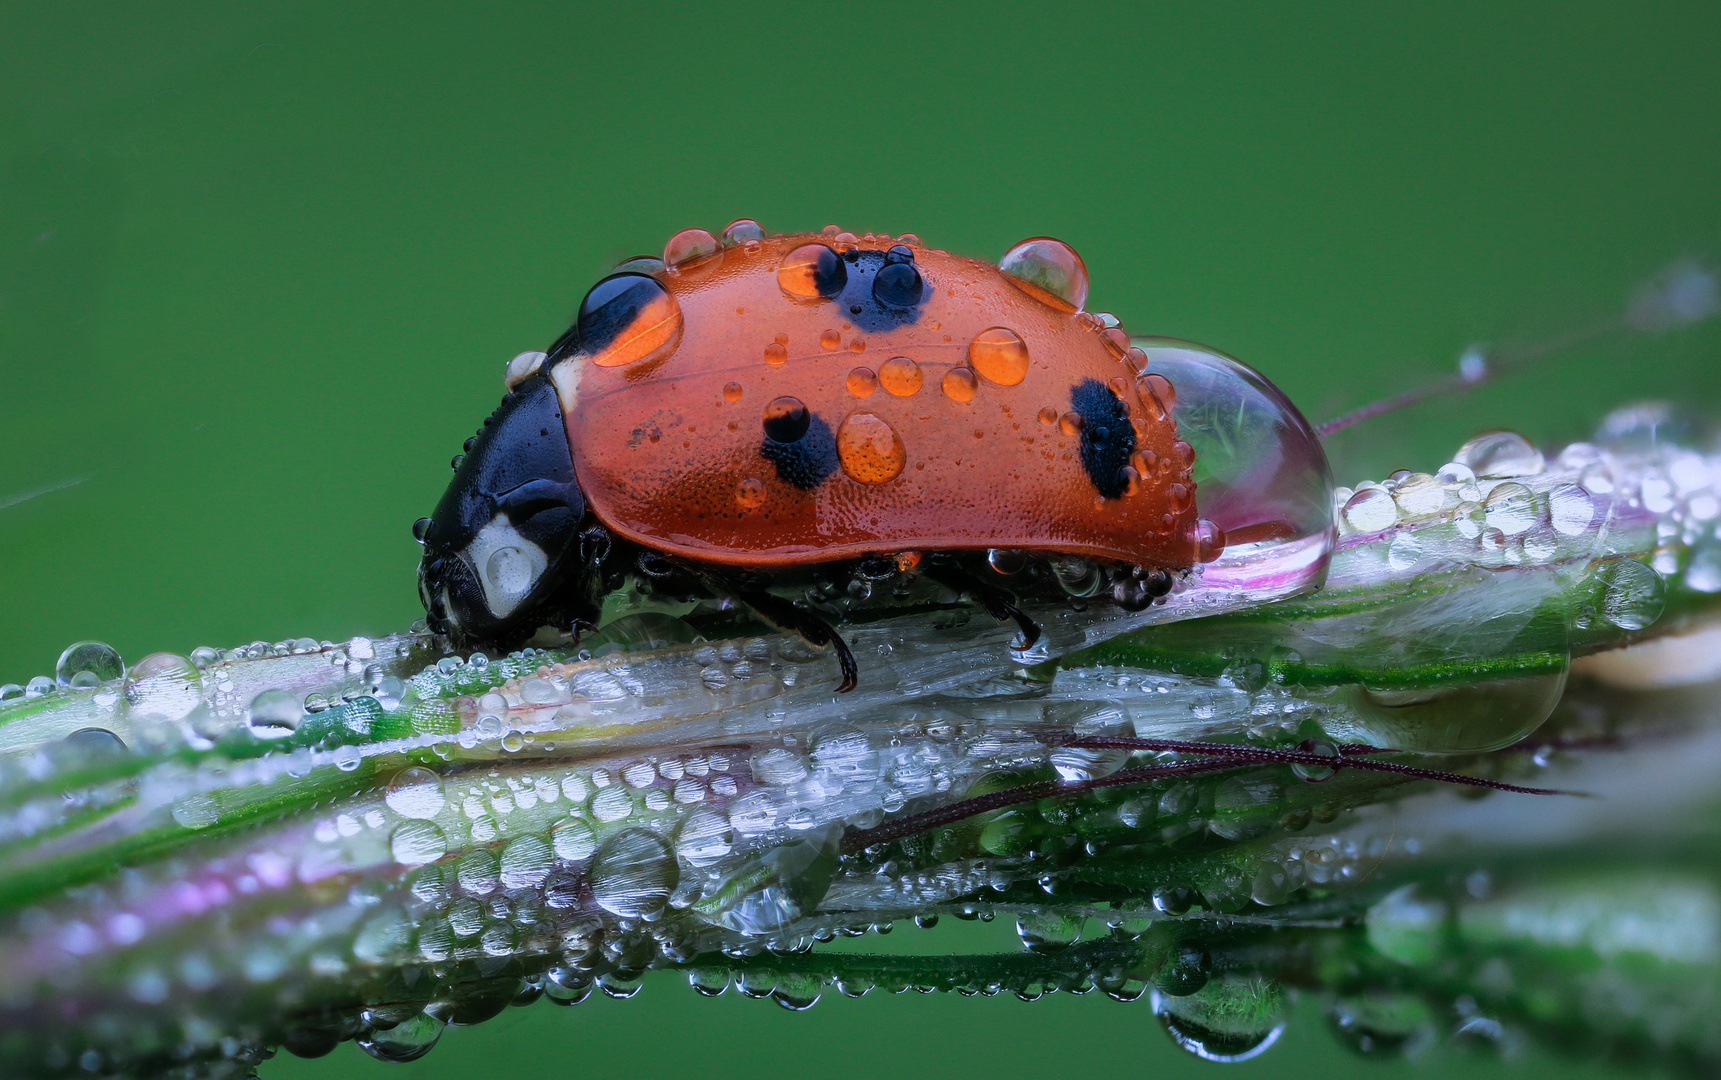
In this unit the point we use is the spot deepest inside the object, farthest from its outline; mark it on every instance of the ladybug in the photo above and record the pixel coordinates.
(803, 426)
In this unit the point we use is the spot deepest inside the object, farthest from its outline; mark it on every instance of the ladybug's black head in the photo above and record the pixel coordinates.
(501, 550)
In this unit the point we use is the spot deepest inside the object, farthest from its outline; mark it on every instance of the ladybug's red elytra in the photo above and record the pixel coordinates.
(791, 421)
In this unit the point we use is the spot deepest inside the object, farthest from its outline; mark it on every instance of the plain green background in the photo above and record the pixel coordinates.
(261, 266)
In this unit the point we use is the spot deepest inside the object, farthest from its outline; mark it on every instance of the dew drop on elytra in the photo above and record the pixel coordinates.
(1048, 270)
(999, 355)
(870, 450)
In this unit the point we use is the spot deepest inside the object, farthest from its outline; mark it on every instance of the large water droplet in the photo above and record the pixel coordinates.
(1370, 510)
(415, 843)
(1500, 453)
(1511, 508)
(1048, 931)
(573, 840)
(1570, 510)
(732, 392)
(95, 742)
(274, 714)
(415, 792)
(1224, 1021)
(999, 355)
(526, 862)
(870, 450)
(628, 318)
(688, 246)
(1048, 270)
(704, 838)
(780, 887)
(812, 272)
(87, 663)
(633, 874)
(406, 1041)
(642, 631)
(1633, 594)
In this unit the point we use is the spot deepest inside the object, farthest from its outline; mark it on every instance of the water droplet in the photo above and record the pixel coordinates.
(960, 384)
(525, 863)
(1156, 395)
(1246, 807)
(1209, 541)
(688, 246)
(98, 660)
(898, 284)
(197, 811)
(776, 353)
(1049, 931)
(1224, 1021)
(573, 840)
(95, 742)
(741, 230)
(750, 493)
(830, 340)
(901, 376)
(704, 838)
(732, 392)
(628, 318)
(1048, 270)
(999, 355)
(274, 714)
(870, 450)
(1316, 774)
(787, 883)
(1370, 510)
(1511, 508)
(633, 874)
(406, 1041)
(1048, 416)
(1570, 510)
(786, 419)
(415, 843)
(415, 792)
(862, 382)
(1634, 594)
(1500, 453)
(812, 272)
(1070, 423)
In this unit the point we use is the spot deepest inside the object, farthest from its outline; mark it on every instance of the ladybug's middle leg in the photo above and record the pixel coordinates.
(784, 615)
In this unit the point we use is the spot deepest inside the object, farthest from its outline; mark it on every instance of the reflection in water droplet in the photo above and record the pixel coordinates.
(775, 353)
(902, 377)
(639, 264)
(415, 792)
(862, 382)
(1209, 541)
(830, 340)
(732, 392)
(688, 246)
(628, 318)
(573, 840)
(1370, 510)
(812, 272)
(95, 742)
(1500, 453)
(960, 384)
(786, 882)
(999, 355)
(750, 493)
(741, 230)
(1048, 416)
(274, 714)
(415, 843)
(94, 658)
(704, 838)
(1633, 596)
(406, 1041)
(1070, 423)
(1050, 270)
(633, 874)
(1156, 395)
(1224, 1021)
(526, 862)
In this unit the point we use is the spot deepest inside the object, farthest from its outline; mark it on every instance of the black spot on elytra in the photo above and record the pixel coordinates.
(1107, 437)
(809, 460)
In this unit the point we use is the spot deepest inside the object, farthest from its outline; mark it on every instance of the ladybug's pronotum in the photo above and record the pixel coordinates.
(799, 423)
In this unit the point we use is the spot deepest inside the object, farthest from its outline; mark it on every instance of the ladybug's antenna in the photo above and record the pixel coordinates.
(1680, 295)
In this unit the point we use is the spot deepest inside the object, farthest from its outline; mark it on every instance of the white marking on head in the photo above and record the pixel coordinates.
(507, 564)
(565, 376)
(521, 368)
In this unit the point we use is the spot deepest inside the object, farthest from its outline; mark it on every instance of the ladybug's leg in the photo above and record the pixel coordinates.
(998, 603)
(786, 616)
